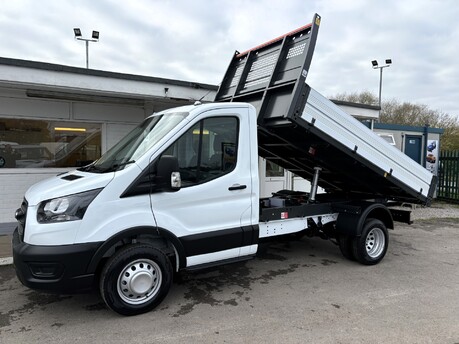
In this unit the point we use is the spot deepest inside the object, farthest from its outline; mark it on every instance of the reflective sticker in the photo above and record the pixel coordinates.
(317, 20)
(284, 215)
(304, 73)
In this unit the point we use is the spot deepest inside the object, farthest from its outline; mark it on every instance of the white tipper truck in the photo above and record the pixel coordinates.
(181, 191)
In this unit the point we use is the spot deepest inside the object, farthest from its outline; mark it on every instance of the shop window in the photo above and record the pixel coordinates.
(35, 144)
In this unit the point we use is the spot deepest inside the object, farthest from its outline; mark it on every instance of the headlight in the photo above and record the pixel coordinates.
(66, 208)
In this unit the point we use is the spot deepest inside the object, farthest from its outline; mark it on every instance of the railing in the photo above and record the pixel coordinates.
(448, 183)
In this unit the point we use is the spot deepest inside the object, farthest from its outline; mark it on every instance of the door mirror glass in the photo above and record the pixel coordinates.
(176, 180)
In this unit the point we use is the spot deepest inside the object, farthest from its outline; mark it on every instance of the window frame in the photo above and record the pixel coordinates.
(200, 150)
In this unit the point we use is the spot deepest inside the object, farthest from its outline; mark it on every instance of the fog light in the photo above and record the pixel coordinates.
(46, 270)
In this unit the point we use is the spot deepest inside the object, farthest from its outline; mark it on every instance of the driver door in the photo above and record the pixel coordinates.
(211, 213)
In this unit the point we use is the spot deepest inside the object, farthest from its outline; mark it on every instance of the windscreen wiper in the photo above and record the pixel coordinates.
(111, 168)
(116, 166)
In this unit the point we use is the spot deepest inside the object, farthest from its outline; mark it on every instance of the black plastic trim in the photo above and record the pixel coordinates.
(110, 242)
(351, 222)
(400, 215)
(304, 210)
(220, 262)
(70, 262)
(220, 240)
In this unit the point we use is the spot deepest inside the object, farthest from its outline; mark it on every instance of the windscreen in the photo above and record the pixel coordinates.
(137, 142)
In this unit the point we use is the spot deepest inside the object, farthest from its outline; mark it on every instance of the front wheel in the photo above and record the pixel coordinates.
(371, 247)
(136, 279)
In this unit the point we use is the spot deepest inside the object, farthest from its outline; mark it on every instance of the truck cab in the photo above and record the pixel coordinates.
(185, 179)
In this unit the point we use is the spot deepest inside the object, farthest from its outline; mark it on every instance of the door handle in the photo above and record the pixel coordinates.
(237, 187)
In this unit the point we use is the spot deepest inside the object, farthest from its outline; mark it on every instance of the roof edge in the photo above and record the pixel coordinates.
(101, 73)
(403, 127)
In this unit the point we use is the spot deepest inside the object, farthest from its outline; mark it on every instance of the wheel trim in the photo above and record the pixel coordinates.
(139, 281)
(375, 243)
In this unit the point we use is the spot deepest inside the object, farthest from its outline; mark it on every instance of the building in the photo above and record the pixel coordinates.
(422, 144)
(54, 118)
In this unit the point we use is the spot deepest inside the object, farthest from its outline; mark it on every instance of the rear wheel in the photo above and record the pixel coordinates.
(136, 279)
(346, 246)
(371, 247)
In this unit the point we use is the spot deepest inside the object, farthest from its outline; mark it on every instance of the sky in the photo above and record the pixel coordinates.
(194, 40)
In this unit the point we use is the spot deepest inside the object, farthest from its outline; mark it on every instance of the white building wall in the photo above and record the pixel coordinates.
(13, 185)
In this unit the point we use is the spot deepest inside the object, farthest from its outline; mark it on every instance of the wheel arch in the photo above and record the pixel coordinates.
(352, 222)
(109, 246)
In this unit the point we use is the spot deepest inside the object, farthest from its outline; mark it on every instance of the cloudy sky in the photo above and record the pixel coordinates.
(194, 40)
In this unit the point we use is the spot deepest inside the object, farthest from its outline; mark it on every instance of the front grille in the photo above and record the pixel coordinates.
(22, 218)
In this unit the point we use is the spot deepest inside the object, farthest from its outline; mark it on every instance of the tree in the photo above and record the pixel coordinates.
(365, 97)
(394, 111)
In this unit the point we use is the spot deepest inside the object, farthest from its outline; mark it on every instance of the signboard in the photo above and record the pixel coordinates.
(432, 156)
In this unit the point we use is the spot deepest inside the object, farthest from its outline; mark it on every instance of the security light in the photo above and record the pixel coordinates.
(94, 38)
(375, 66)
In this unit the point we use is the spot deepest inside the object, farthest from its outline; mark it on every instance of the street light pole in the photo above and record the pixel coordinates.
(87, 63)
(95, 38)
(376, 66)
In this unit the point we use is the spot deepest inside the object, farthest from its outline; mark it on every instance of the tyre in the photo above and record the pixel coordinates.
(371, 247)
(135, 279)
(346, 246)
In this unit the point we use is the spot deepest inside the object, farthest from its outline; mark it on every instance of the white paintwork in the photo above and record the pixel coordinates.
(281, 227)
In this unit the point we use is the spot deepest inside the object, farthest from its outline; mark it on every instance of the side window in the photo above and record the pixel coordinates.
(206, 151)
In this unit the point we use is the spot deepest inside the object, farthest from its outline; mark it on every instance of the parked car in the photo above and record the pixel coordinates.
(30, 156)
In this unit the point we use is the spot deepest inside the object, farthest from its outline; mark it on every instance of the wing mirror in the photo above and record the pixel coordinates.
(168, 175)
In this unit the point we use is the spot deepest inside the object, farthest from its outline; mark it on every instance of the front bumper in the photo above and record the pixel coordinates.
(60, 269)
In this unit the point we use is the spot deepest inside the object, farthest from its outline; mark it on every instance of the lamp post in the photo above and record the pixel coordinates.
(94, 38)
(376, 66)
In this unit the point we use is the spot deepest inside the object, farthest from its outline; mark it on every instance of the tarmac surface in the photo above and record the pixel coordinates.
(299, 291)
(5, 246)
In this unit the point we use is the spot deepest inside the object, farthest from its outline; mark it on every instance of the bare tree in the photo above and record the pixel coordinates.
(396, 112)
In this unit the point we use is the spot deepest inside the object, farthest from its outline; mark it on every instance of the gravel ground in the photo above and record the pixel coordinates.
(436, 210)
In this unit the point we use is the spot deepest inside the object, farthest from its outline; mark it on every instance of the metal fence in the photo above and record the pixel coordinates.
(448, 181)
